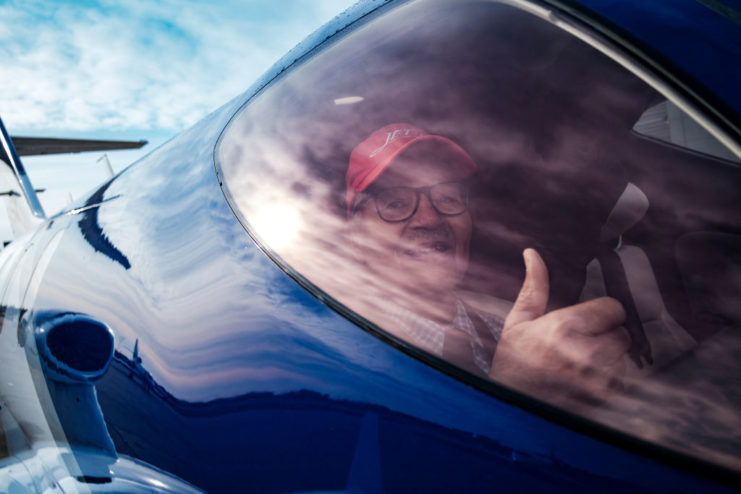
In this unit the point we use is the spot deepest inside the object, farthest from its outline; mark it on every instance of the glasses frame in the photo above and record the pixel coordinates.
(373, 194)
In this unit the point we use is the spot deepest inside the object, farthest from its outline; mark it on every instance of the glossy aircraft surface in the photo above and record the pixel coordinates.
(212, 320)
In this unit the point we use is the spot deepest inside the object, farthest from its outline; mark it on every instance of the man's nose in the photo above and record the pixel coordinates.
(426, 214)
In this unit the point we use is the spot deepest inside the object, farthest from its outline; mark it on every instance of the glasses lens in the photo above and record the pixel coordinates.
(449, 198)
(396, 204)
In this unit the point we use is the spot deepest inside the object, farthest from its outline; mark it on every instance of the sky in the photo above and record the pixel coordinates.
(105, 69)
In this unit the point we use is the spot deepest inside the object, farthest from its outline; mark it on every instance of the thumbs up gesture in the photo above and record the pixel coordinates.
(567, 356)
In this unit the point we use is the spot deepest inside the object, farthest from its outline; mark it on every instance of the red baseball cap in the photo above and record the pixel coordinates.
(372, 156)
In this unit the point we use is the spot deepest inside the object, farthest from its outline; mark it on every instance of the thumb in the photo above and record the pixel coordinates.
(533, 297)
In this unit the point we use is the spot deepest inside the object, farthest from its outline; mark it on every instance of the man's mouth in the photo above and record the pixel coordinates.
(425, 249)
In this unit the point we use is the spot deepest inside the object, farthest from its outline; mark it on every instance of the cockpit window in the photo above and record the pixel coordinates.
(483, 186)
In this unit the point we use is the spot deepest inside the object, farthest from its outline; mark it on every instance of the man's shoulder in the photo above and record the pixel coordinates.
(484, 303)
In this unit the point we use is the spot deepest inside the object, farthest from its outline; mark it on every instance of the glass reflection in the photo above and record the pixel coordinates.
(611, 311)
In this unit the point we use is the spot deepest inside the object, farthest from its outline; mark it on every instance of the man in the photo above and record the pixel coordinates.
(410, 222)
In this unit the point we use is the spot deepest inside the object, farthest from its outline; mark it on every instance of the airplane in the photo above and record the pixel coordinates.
(251, 307)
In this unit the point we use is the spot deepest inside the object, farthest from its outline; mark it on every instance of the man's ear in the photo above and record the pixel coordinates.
(354, 237)
(471, 203)
(355, 233)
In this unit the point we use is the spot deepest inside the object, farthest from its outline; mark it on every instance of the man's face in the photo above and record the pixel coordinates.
(428, 252)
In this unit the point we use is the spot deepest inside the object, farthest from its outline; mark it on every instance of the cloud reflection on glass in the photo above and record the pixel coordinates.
(548, 122)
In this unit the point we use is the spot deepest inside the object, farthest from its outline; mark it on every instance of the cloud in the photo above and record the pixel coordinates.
(103, 64)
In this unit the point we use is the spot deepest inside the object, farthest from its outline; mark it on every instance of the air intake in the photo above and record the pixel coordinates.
(74, 347)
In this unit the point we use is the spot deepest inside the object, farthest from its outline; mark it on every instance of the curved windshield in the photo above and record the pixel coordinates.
(488, 188)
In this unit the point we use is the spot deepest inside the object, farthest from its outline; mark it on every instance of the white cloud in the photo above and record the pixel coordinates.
(135, 69)
(140, 64)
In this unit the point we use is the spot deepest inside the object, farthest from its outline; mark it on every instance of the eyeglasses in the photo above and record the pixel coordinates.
(396, 204)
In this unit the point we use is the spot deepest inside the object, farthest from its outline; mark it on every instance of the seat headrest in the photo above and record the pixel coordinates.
(629, 209)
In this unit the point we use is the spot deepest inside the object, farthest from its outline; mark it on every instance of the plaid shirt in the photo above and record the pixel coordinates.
(430, 336)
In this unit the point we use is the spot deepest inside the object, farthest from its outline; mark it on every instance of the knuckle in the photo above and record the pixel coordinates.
(611, 307)
(561, 323)
(528, 294)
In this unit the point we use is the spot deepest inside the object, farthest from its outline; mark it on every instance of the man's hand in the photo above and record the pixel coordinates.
(567, 356)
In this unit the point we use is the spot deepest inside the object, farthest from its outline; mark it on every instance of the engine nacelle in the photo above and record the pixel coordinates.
(72, 348)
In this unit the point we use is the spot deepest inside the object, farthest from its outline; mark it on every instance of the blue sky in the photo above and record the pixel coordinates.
(132, 70)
